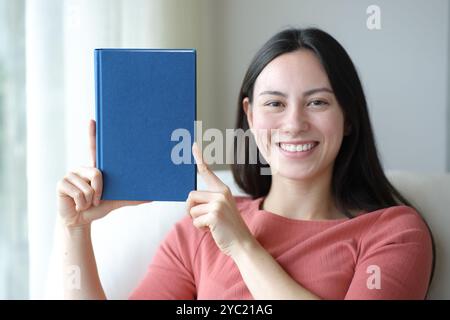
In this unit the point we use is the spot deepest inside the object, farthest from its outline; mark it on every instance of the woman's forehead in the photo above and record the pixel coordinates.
(298, 70)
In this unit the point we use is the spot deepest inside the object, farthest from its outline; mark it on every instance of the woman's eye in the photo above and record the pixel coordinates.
(317, 103)
(274, 104)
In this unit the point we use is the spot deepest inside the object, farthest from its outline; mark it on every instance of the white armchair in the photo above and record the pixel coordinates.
(125, 241)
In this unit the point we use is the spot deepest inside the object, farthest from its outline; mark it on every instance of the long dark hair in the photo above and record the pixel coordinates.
(358, 181)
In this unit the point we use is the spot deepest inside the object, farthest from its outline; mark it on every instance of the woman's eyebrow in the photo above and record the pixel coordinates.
(274, 93)
(305, 94)
(312, 91)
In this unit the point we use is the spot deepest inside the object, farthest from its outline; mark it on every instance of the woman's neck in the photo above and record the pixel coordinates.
(302, 199)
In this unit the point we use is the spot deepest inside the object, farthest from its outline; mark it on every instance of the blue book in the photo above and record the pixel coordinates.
(145, 112)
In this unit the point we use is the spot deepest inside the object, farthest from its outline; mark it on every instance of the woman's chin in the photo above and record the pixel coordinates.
(293, 173)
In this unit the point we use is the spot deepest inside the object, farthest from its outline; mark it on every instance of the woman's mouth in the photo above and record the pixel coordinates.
(297, 149)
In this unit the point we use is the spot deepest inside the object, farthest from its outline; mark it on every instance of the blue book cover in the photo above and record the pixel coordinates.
(145, 111)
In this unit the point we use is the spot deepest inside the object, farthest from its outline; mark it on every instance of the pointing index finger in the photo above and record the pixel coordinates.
(212, 181)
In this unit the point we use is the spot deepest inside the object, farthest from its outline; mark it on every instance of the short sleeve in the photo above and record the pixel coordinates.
(170, 275)
(395, 258)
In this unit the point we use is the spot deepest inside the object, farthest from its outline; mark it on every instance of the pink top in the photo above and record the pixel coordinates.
(385, 254)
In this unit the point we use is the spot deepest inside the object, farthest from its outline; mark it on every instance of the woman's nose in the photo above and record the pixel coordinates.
(295, 121)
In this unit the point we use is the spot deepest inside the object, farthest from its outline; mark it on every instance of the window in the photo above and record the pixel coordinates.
(13, 195)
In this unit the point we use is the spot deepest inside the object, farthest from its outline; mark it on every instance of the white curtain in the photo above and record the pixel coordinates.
(13, 204)
(60, 38)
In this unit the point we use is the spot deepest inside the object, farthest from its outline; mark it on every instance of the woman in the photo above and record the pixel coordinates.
(326, 224)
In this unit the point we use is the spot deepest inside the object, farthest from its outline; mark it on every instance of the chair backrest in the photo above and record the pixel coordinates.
(125, 240)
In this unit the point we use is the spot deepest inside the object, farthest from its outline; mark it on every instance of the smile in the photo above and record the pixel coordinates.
(297, 147)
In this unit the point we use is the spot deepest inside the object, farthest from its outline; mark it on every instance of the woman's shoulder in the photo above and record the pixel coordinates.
(247, 205)
(397, 224)
(398, 217)
(243, 202)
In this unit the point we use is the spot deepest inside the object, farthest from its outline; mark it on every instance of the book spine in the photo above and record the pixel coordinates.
(98, 107)
(194, 52)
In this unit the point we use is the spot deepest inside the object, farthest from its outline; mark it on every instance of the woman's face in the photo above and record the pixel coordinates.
(295, 117)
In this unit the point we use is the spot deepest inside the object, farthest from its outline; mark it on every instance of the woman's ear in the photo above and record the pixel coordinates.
(248, 111)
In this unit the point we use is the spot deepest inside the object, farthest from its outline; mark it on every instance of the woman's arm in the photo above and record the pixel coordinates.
(397, 251)
(81, 280)
(264, 277)
(79, 203)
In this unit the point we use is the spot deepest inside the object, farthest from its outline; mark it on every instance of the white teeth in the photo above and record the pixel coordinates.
(297, 147)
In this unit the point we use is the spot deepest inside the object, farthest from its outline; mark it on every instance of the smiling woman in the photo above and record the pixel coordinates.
(306, 117)
(326, 224)
(323, 158)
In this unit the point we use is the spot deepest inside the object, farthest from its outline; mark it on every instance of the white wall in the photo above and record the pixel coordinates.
(448, 90)
(403, 66)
